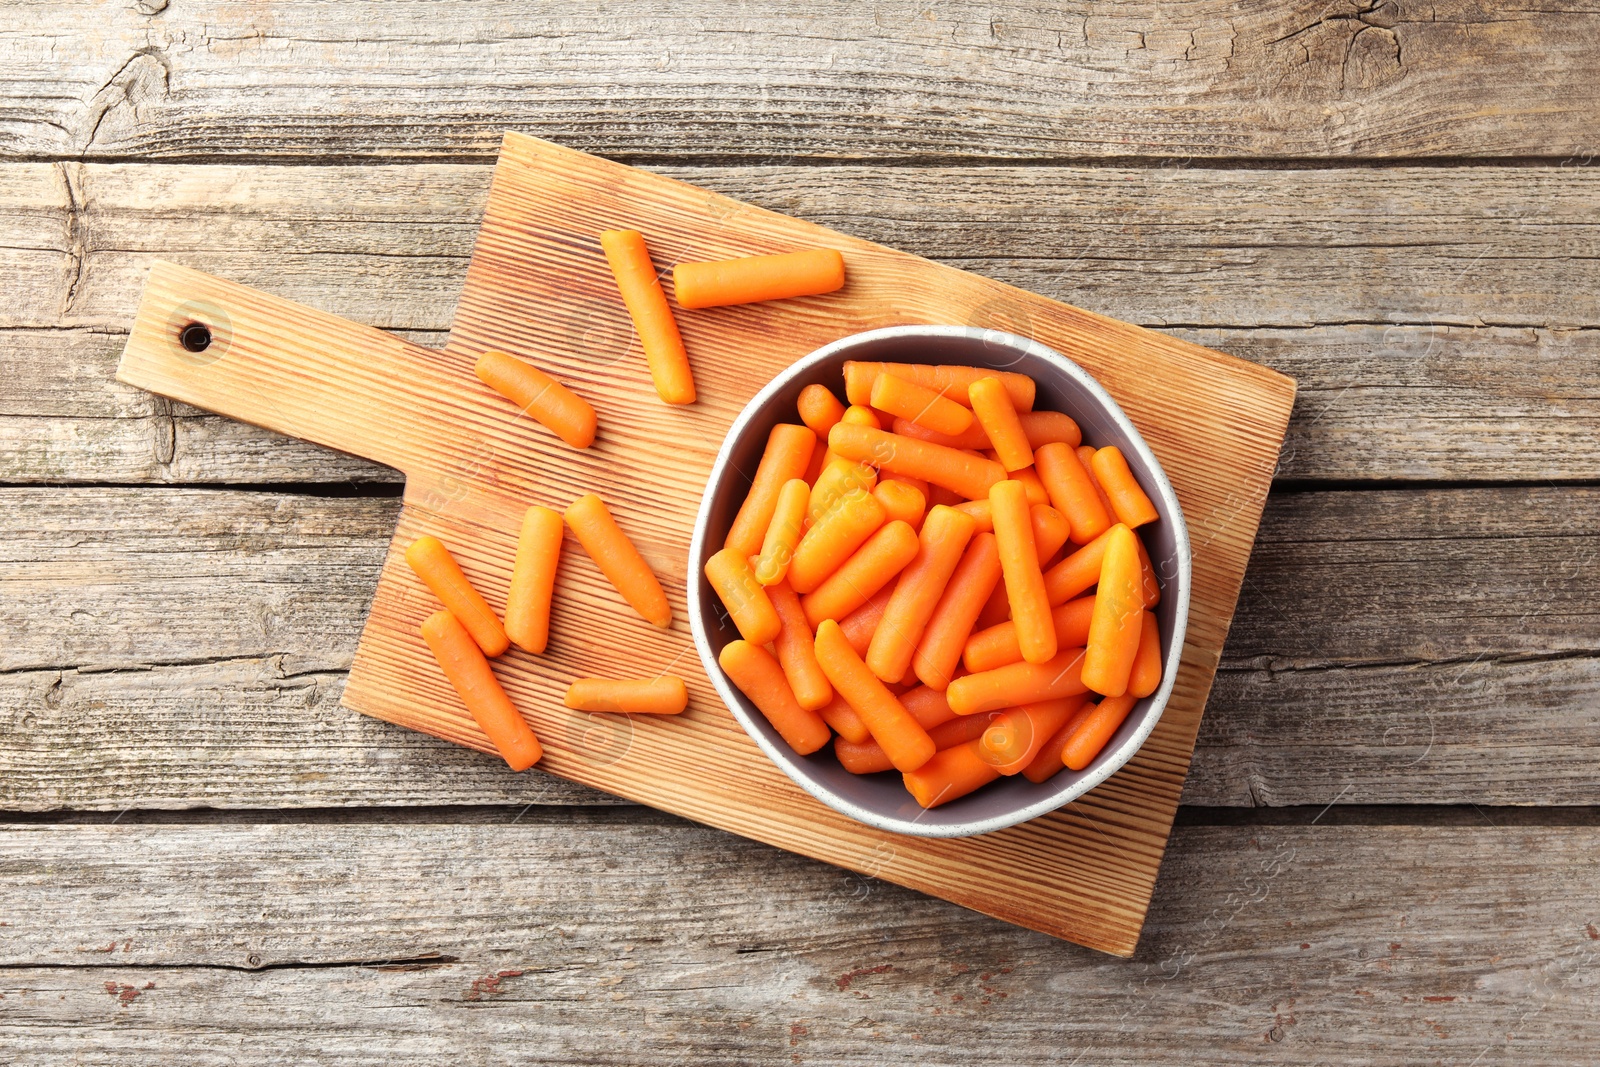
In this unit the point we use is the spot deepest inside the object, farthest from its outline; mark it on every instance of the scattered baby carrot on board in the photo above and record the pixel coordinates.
(533, 579)
(783, 531)
(652, 318)
(441, 573)
(469, 673)
(950, 774)
(921, 405)
(833, 538)
(1047, 761)
(752, 279)
(991, 403)
(1144, 677)
(997, 645)
(786, 456)
(953, 617)
(617, 559)
(1117, 623)
(547, 401)
(838, 714)
(820, 409)
(942, 542)
(1128, 501)
(892, 726)
(952, 381)
(1019, 561)
(1018, 683)
(666, 695)
(1072, 491)
(759, 677)
(745, 598)
(969, 475)
(1015, 736)
(1091, 735)
(872, 567)
(796, 650)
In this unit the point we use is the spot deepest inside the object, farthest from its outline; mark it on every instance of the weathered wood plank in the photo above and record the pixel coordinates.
(175, 648)
(1226, 252)
(839, 81)
(454, 943)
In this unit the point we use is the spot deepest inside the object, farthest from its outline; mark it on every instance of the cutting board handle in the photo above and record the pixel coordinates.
(252, 356)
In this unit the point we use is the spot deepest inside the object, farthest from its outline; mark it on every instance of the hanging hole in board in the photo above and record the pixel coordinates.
(199, 332)
(195, 337)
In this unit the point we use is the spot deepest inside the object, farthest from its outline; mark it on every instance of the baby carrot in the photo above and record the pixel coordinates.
(755, 278)
(819, 409)
(558, 408)
(1042, 427)
(1152, 588)
(786, 456)
(1079, 571)
(923, 406)
(959, 729)
(783, 532)
(992, 405)
(1094, 731)
(1145, 676)
(839, 715)
(1072, 491)
(1015, 736)
(929, 707)
(759, 677)
(1047, 761)
(833, 538)
(647, 305)
(1118, 620)
(972, 437)
(868, 757)
(969, 588)
(970, 476)
(873, 566)
(861, 757)
(1018, 683)
(1133, 508)
(952, 381)
(996, 611)
(837, 480)
(796, 650)
(979, 511)
(950, 774)
(1051, 530)
(441, 573)
(1086, 457)
(859, 626)
(533, 579)
(943, 539)
(1019, 561)
(997, 645)
(1037, 495)
(902, 501)
(745, 598)
(469, 673)
(665, 695)
(892, 726)
(617, 559)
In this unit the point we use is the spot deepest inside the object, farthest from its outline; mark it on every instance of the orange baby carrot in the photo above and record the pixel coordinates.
(973, 437)
(997, 645)
(837, 480)
(1118, 619)
(1019, 561)
(1094, 731)
(979, 512)
(1151, 587)
(665, 695)
(873, 566)
(950, 774)
(952, 381)
(944, 538)
(759, 677)
(859, 626)
(1047, 761)
(1018, 683)
(929, 707)
(969, 588)
(745, 598)
(1072, 491)
(1051, 530)
(923, 406)
(1037, 495)
(1145, 676)
(755, 278)
(868, 757)
(786, 456)
(819, 409)
(861, 757)
(795, 645)
(839, 715)
(960, 729)
(992, 405)
(996, 611)
(1086, 457)
(533, 579)
(652, 318)
(1079, 571)
(965, 474)
(469, 673)
(441, 573)
(558, 408)
(833, 538)
(819, 463)
(1015, 736)
(1043, 427)
(1132, 507)
(783, 531)
(617, 559)
(892, 726)
(902, 501)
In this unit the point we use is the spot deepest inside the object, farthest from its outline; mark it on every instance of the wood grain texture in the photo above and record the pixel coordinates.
(1388, 389)
(840, 80)
(471, 471)
(501, 942)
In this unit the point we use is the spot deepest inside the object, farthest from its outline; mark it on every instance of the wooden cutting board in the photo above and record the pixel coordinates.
(538, 287)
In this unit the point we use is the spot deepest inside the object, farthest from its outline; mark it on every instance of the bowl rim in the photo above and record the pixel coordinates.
(1107, 763)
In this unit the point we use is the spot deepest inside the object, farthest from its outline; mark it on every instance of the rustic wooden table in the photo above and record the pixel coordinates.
(1387, 851)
